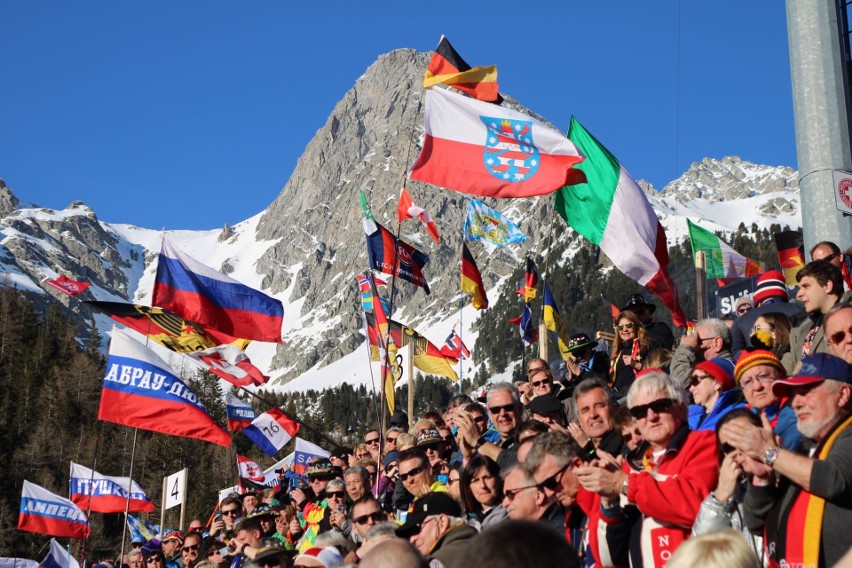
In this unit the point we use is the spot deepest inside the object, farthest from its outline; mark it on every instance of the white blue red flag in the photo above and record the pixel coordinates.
(46, 513)
(141, 391)
(240, 413)
(271, 430)
(305, 453)
(58, 557)
(214, 301)
(229, 362)
(529, 334)
(105, 494)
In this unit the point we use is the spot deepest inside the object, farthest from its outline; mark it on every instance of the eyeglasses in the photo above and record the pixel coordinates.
(447, 438)
(658, 406)
(533, 370)
(751, 382)
(452, 480)
(506, 407)
(628, 325)
(546, 381)
(372, 441)
(554, 480)
(510, 494)
(338, 494)
(838, 336)
(230, 512)
(376, 517)
(695, 380)
(153, 559)
(743, 309)
(198, 528)
(412, 473)
(190, 548)
(756, 328)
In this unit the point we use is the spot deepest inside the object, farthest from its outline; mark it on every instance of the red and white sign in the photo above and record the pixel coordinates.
(843, 190)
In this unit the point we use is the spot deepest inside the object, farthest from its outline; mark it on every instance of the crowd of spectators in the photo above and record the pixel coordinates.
(725, 450)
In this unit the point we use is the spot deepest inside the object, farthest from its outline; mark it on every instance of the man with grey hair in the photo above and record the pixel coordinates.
(811, 489)
(593, 430)
(393, 552)
(673, 470)
(711, 339)
(437, 528)
(357, 480)
(524, 499)
(504, 408)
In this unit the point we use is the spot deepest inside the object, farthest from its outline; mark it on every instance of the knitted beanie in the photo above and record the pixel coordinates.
(770, 284)
(720, 369)
(749, 359)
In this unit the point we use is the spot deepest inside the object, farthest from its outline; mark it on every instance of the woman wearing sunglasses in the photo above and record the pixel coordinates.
(714, 391)
(482, 491)
(628, 352)
(723, 508)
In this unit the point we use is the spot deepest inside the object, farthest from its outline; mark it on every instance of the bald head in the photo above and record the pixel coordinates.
(393, 553)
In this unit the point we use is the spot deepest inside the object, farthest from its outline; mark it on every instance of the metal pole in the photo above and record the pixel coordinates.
(129, 489)
(700, 284)
(821, 111)
(412, 347)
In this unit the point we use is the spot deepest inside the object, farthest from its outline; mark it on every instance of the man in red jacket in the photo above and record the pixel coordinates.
(659, 490)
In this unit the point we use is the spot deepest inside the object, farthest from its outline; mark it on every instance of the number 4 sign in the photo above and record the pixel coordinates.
(175, 489)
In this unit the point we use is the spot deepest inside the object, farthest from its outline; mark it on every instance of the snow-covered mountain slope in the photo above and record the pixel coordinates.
(307, 246)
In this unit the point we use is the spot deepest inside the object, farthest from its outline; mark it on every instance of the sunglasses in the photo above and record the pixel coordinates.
(153, 559)
(694, 380)
(838, 336)
(412, 473)
(392, 440)
(510, 494)
(376, 517)
(230, 512)
(552, 482)
(506, 407)
(658, 406)
(190, 548)
(338, 494)
(546, 381)
(479, 419)
(628, 325)
(743, 309)
(372, 441)
(726, 448)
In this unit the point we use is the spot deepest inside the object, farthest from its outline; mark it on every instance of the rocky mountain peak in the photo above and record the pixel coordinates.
(730, 178)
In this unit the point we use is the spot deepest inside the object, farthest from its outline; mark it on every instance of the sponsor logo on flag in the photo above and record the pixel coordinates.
(46, 513)
(240, 413)
(305, 453)
(67, 285)
(106, 494)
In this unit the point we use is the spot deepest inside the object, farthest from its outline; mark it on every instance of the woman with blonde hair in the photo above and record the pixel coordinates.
(628, 352)
(771, 332)
(721, 549)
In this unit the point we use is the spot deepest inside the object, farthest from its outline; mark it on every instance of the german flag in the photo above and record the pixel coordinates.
(425, 355)
(528, 290)
(449, 68)
(791, 254)
(471, 280)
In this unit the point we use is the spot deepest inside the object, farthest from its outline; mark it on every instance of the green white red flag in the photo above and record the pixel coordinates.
(721, 261)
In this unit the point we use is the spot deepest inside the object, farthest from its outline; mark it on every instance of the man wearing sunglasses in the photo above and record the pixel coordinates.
(504, 409)
(190, 549)
(436, 527)
(231, 509)
(415, 478)
(838, 330)
(366, 513)
(524, 499)
(671, 473)
(827, 250)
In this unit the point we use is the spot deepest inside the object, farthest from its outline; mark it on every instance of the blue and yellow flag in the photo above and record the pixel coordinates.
(553, 322)
(485, 224)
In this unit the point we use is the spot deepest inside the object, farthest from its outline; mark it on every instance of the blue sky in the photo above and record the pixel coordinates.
(189, 115)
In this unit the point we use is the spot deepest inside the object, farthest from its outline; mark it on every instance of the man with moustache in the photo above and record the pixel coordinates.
(504, 409)
(802, 502)
(838, 331)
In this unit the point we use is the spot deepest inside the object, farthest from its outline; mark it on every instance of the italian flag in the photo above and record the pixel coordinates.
(721, 260)
(611, 211)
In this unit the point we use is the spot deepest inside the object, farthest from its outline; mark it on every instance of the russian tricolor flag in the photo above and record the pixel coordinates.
(106, 494)
(46, 513)
(141, 391)
(271, 431)
(213, 300)
(58, 557)
(240, 413)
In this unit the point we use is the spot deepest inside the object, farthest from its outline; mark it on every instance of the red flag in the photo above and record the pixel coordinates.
(390, 255)
(66, 285)
(449, 68)
(471, 280)
(408, 210)
(230, 363)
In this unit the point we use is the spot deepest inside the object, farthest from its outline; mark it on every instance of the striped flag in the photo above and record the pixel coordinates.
(611, 210)
(46, 513)
(553, 322)
(529, 334)
(407, 209)
(720, 259)
(447, 67)
(528, 290)
(271, 430)
(471, 280)
(105, 494)
(240, 413)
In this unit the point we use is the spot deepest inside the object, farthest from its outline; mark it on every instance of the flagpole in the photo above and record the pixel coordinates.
(543, 336)
(461, 309)
(91, 482)
(379, 413)
(129, 489)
